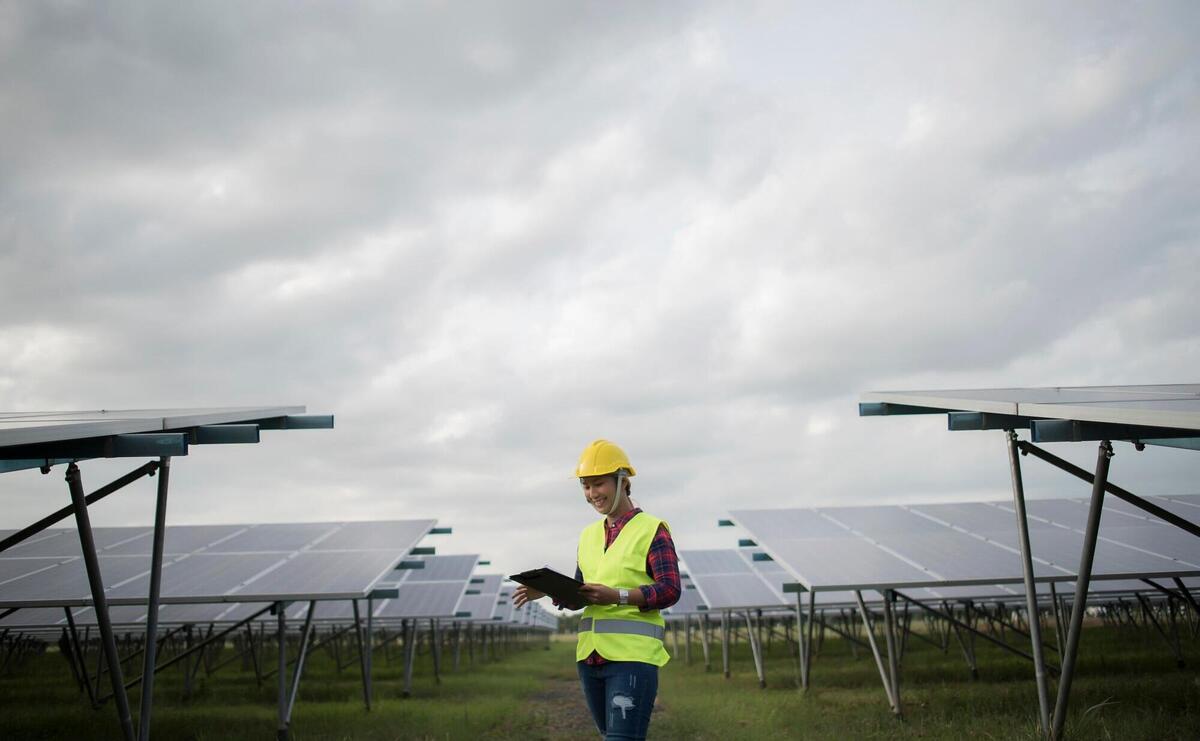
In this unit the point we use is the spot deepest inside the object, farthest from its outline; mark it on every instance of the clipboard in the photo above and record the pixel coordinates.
(561, 588)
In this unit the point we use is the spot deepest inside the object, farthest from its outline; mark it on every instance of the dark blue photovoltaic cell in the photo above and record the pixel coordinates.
(289, 537)
(68, 581)
(725, 580)
(444, 568)
(700, 562)
(960, 544)
(224, 563)
(379, 535)
(429, 599)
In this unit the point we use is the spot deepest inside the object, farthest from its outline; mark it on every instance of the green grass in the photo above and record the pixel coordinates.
(42, 701)
(1128, 680)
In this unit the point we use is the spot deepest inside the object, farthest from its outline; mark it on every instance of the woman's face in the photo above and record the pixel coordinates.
(599, 491)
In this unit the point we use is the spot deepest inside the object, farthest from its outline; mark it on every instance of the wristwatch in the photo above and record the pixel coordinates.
(622, 596)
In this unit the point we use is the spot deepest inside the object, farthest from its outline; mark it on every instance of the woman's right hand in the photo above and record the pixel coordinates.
(524, 594)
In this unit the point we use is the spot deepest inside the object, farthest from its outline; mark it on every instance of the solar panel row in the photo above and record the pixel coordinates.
(966, 544)
(236, 563)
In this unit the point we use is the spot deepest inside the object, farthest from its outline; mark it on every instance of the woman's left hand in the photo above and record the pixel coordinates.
(598, 594)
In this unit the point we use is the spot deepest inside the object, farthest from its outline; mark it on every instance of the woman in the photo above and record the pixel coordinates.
(630, 571)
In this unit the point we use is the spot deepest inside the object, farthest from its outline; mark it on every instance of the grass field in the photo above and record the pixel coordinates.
(1127, 688)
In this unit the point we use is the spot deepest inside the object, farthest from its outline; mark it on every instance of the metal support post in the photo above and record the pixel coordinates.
(99, 602)
(78, 652)
(1172, 639)
(1059, 625)
(156, 559)
(883, 673)
(808, 639)
(967, 646)
(457, 643)
(687, 640)
(801, 645)
(704, 636)
(67, 651)
(254, 648)
(370, 644)
(305, 637)
(410, 652)
(281, 627)
(756, 651)
(362, 656)
(1083, 579)
(1039, 663)
(725, 642)
(889, 625)
(435, 647)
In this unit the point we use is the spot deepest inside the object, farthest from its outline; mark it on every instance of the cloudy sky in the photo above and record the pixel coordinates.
(484, 234)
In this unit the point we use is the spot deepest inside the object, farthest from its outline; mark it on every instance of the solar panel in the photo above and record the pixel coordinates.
(424, 600)
(277, 538)
(970, 545)
(726, 581)
(689, 603)
(227, 563)
(27, 428)
(481, 606)
(444, 568)
(369, 535)
(1175, 405)
(433, 591)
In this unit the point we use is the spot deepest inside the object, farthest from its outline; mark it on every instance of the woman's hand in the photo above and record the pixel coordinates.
(598, 594)
(524, 594)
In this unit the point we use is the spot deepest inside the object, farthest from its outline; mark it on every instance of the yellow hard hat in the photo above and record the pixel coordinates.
(601, 458)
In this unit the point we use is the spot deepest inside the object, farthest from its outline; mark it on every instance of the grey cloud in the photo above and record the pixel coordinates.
(483, 235)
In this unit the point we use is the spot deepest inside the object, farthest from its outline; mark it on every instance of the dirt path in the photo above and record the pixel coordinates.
(555, 712)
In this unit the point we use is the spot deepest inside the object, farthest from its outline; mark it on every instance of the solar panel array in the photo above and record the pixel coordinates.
(211, 563)
(968, 545)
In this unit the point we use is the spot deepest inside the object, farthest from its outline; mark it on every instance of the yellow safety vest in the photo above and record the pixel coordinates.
(620, 632)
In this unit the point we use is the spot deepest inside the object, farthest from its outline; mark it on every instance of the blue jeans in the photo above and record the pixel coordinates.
(620, 695)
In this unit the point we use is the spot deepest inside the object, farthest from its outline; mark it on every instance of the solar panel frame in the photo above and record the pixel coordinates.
(30, 428)
(1169, 405)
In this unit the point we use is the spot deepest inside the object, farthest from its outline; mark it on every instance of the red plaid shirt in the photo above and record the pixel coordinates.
(662, 565)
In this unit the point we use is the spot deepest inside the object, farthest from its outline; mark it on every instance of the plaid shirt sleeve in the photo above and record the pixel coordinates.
(662, 564)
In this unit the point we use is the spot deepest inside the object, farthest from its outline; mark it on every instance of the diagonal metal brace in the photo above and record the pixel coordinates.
(1111, 488)
(62, 514)
(955, 621)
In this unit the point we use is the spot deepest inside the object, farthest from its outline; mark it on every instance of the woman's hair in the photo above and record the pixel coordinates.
(628, 483)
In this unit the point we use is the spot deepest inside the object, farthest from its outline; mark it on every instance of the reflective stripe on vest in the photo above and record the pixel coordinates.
(632, 627)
